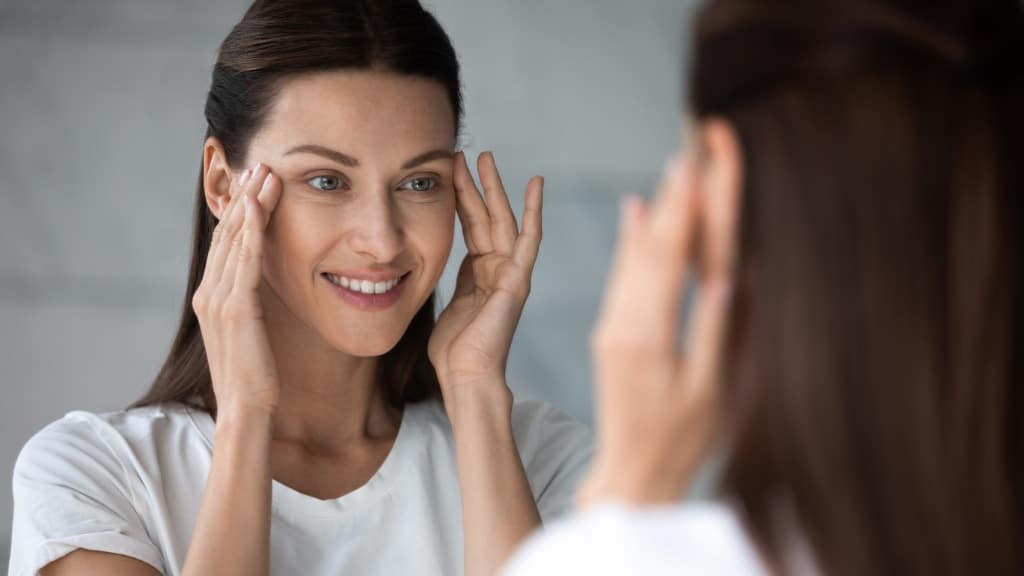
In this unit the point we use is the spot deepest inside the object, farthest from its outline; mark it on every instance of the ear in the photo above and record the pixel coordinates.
(720, 167)
(218, 178)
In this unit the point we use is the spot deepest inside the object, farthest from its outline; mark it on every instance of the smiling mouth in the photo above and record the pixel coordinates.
(365, 286)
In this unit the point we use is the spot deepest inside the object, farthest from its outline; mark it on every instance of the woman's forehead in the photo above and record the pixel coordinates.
(361, 109)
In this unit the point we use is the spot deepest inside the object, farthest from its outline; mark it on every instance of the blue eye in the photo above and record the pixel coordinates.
(325, 183)
(420, 185)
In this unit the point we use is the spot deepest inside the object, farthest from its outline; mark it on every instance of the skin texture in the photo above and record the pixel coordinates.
(658, 399)
(293, 364)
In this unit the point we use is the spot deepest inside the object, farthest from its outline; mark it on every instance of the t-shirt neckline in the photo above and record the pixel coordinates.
(290, 503)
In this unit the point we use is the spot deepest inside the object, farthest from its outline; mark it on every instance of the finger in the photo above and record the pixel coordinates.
(504, 228)
(651, 263)
(476, 227)
(706, 337)
(234, 230)
(227, 275)
(632, 220)
(670, 244)
(268, 197)
(720, 200)
(249, 270)
(708, 333)
(527, 245)
(220, 244)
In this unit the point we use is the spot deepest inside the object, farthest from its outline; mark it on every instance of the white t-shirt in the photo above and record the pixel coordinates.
(692, 538)
(131, 483)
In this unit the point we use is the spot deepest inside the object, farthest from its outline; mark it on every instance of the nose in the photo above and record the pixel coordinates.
(376, 230)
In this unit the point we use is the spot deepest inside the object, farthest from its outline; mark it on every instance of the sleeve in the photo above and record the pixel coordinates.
(556, 452)
(70, 492)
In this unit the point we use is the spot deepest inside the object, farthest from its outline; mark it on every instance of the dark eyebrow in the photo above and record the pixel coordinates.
(326, 152)
(347, 160)
(427, 157)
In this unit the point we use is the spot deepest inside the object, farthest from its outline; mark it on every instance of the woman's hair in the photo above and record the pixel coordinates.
(872, 393)
(277, 40)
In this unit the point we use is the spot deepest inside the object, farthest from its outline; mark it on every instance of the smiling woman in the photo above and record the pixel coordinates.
(312, 416)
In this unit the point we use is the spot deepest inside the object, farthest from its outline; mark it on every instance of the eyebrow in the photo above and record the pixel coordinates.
(346, 160)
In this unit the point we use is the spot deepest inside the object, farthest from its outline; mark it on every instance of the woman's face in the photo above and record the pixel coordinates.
(365, 221)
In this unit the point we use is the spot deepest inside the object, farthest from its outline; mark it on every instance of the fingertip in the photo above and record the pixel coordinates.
(249, 207)
(271, 192)
(535, 191)
(486, 158)
(461, 165)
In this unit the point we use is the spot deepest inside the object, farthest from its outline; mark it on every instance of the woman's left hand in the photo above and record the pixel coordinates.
(470, 343)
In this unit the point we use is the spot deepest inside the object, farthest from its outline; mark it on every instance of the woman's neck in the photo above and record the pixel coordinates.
(328, 399)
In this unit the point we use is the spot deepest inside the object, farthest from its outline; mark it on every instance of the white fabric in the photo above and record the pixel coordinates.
(131, 483)
(690, 538)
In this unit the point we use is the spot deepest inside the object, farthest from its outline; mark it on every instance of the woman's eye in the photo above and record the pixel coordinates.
(420, 184)
(325, 183)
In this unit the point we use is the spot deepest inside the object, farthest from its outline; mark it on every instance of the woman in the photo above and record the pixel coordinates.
(311, 418)
(850, 209)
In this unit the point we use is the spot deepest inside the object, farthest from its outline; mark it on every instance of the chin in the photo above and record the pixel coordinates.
(364, 345)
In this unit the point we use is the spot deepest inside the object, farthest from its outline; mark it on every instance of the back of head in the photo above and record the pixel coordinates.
(870, 397)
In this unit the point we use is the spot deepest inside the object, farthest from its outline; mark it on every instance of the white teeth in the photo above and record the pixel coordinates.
(363, 286)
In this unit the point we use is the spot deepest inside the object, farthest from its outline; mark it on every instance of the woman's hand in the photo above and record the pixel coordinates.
(469, 349)
(470, 343)
(657, 407)
(227, 302)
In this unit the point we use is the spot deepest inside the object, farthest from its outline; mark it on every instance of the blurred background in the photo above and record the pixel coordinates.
(101, 125)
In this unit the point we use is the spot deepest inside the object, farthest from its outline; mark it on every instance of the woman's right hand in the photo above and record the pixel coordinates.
(227, 302)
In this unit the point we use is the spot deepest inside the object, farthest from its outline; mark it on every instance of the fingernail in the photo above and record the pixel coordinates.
(243, 177)
(266, 181)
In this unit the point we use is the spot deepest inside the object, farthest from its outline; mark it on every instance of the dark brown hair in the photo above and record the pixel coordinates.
(872, 390)
(277, 40)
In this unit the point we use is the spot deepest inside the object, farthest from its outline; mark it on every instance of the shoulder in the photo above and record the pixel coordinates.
(538, 425)
(707, 538)
(85, 440)
(85, 480)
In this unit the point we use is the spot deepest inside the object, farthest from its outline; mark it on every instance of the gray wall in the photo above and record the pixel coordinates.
(100, 131)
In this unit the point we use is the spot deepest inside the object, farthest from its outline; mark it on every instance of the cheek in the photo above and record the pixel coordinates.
(431, 230)
(292, 241)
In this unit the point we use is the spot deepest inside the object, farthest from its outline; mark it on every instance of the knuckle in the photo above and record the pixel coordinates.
(199, 301)
(215, 306)
(233, 311)
(244, 252)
